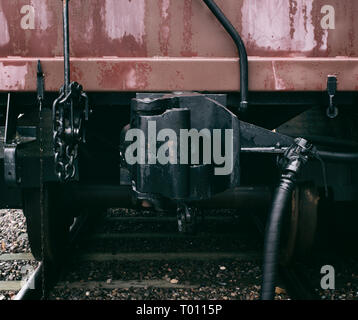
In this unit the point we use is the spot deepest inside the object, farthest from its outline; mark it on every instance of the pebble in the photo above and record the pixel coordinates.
(279, 290)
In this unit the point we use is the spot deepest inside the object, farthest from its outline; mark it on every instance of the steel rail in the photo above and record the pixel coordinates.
(32, 288)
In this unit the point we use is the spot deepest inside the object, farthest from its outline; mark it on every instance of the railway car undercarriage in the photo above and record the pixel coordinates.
(57, 158)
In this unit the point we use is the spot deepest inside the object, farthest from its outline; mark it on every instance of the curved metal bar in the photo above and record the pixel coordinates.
(244, 64)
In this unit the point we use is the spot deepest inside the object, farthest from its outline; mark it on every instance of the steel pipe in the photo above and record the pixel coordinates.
(332, 156)
(244, 64)
(66, 46)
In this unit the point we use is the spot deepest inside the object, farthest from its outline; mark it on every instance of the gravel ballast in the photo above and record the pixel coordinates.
(13, 232)
(14, 240)
(218, 280)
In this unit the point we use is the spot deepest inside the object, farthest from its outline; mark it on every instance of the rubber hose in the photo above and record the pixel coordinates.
(339, 156)
(280, 203)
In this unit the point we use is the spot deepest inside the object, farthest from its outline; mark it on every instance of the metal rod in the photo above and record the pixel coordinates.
(244, 64)
(8, 122)
(66, 45)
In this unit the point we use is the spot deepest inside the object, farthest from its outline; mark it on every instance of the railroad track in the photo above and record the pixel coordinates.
(26, 260)
(30, 287)
(113, 245)
(109, 249)
(155, 262)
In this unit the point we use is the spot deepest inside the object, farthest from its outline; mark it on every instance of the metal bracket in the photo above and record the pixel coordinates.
(189, 181)
(332, 110)
(40, 82)
(14, 137)
(10, 147)
(187, 218)
(181, 180)
(10, 174)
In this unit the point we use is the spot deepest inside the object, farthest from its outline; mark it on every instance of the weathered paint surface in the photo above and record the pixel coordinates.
(43, 15)
(279, 25)
(12, 77)
(4, 27)
(155, 45)
(120, 22)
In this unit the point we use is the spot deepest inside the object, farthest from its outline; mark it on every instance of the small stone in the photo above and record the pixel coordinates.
(279, 290)
(87, 293)
(22, 236)
(222, 268)
(109, 281)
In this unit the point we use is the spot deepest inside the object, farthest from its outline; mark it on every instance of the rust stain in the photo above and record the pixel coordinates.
(293, 11)
(305, 17)
(108, 75)
(126, 76)
(76, 73)
(352, 32)
(164, 32)
(187, 50)
(143, 70)
(319, 33)
(13, 75)
(88, 31)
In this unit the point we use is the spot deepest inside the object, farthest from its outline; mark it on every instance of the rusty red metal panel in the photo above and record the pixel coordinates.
(164, 45)
(183, 74)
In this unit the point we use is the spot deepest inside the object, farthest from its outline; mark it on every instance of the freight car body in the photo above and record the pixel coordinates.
(163, 45)
(140, 62)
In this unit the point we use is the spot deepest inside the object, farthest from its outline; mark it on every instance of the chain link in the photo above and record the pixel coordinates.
(67, 130)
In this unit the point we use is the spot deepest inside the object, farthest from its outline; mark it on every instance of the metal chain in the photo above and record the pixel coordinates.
(66, 136)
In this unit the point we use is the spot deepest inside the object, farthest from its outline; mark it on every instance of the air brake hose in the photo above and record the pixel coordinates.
(330, 156)
(244, 64)
(294, 159)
